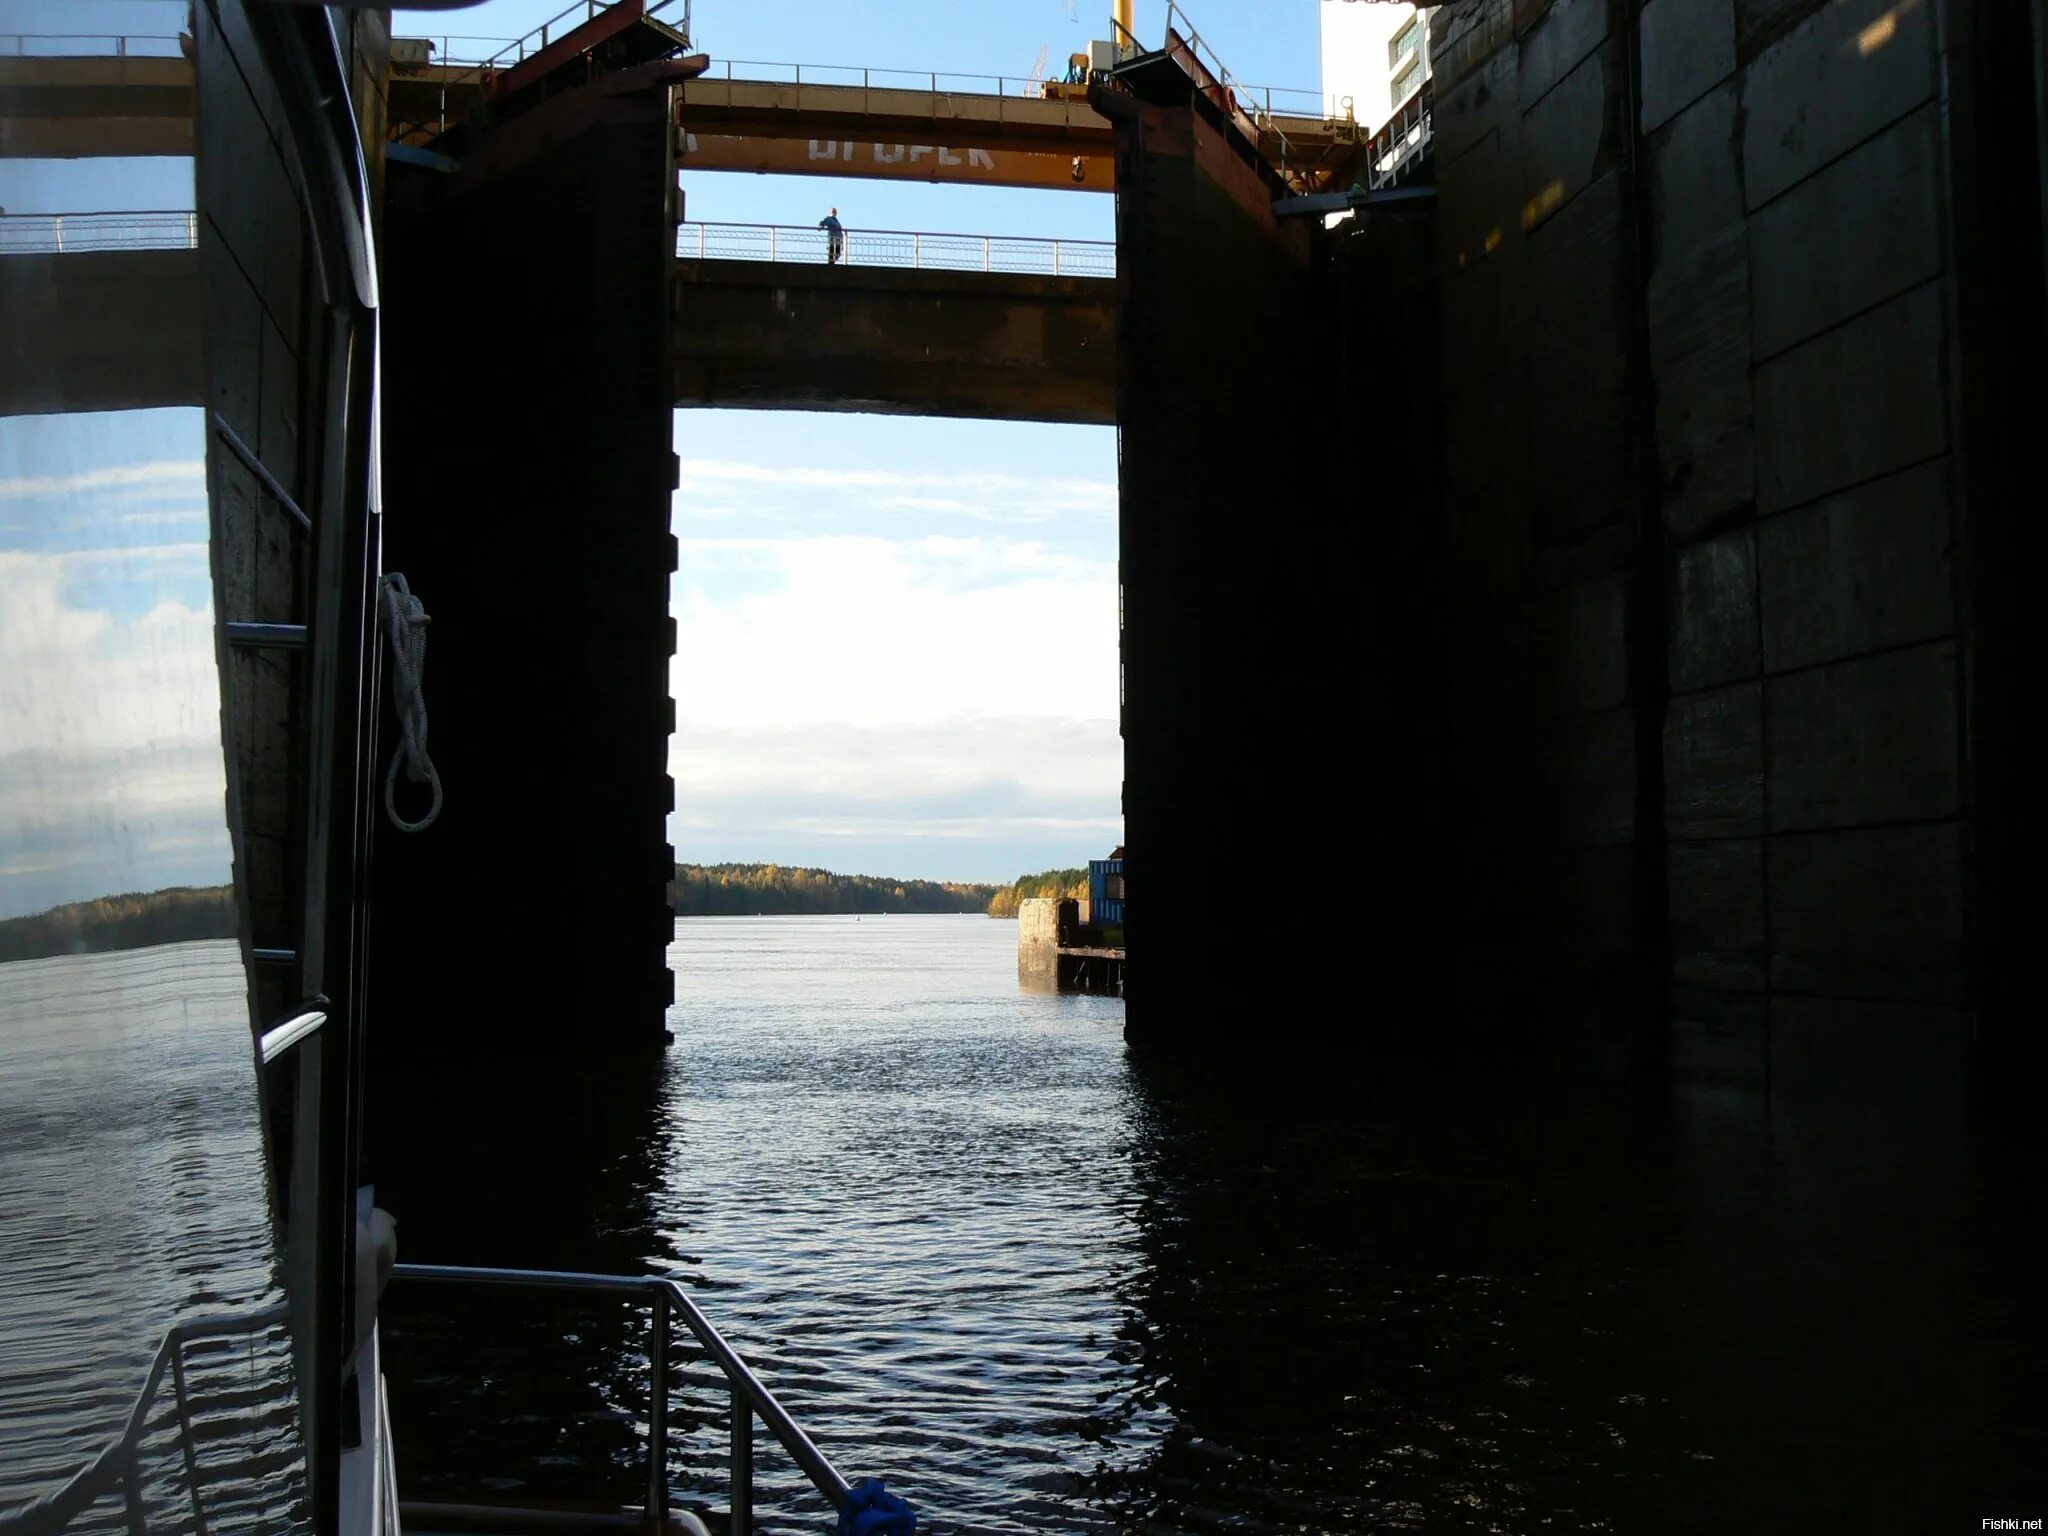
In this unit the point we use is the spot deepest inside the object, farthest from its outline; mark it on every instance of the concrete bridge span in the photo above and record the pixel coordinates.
(782, 336)
(107, 330)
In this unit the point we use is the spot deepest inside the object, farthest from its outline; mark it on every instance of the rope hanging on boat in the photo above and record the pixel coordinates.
(872, 1510)
(405, 626)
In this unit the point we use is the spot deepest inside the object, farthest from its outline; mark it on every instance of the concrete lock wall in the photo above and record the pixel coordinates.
(1650, 648)
(529, 455)
(1707, 524)
(1241, 688)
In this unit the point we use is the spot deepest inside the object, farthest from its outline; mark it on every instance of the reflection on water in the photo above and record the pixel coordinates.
(1043, 1287)
(132, 1197)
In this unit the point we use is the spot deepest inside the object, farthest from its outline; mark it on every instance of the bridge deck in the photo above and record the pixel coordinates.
(795, 335)
(113, 104)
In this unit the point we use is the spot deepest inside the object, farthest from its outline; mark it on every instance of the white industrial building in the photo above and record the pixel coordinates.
(1375, 57)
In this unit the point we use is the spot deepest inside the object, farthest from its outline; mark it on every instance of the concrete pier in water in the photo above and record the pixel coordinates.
(1058, 950)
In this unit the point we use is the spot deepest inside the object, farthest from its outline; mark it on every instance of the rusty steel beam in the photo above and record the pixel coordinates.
(602, 27)
(944, 163)
(892, 114)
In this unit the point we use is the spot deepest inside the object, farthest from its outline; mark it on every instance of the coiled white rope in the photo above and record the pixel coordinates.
(405, 626)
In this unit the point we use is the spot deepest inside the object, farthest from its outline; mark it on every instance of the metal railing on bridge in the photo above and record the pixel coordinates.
(43, 234)
(899, 248)
(1399, 147)
(91, 45)
(483, 54)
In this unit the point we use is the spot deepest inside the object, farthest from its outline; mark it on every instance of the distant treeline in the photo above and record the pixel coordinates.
(734, 890)
(1052, 882)
(132, 921)
(743, 890)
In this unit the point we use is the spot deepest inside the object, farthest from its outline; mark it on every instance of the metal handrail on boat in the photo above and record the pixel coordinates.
(750, 1399)
(118, 1465)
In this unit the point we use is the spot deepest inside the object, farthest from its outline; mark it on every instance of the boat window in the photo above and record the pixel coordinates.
(134, 1193)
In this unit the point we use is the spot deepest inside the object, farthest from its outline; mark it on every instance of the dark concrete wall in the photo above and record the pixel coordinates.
(528, 471)
(1554, 592)
(1707, 521)
(1242, 704)
(777, 335)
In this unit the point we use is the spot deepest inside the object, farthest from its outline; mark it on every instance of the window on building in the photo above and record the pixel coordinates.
(1408, 81)
(1405, 43)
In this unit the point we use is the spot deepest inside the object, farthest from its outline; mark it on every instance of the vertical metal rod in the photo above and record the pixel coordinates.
(384, 1449)
(1055, 258)
(131, 1478)
(657, 1416)
(700, 242)
(771, 242)
(917, 250)
(185, 1437)
(742, 1465)
(985, 255)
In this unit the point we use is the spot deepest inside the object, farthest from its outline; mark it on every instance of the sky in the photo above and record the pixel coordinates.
(111, 777)
(896, 637)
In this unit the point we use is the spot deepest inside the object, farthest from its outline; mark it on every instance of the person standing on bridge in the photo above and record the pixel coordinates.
(835, 237)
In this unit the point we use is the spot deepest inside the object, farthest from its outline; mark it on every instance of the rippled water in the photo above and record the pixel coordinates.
(1042, 1286)
(132, 1197)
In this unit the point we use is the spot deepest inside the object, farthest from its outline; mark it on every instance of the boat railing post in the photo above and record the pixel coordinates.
(742, 1464)
(131, 1479)
(185, 1437)
(657, 1416)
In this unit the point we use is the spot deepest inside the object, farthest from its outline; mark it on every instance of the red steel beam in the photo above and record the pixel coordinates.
(601, 28)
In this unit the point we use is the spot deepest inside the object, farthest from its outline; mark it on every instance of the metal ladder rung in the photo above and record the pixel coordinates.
(253, 637)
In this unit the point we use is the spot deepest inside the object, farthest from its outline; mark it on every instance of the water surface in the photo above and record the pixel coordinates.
(133, 1196)
(1044, 1287)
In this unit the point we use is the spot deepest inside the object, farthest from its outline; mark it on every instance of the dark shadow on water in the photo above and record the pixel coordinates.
(1445, 1291)
(540, 1164)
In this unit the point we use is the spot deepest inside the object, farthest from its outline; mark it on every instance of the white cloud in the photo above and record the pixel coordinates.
(79, 680)
(111, 776)
(868, 694)
(871, 631)
(190, 554)
(986, 495)
(970, 766)
(157, 472)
